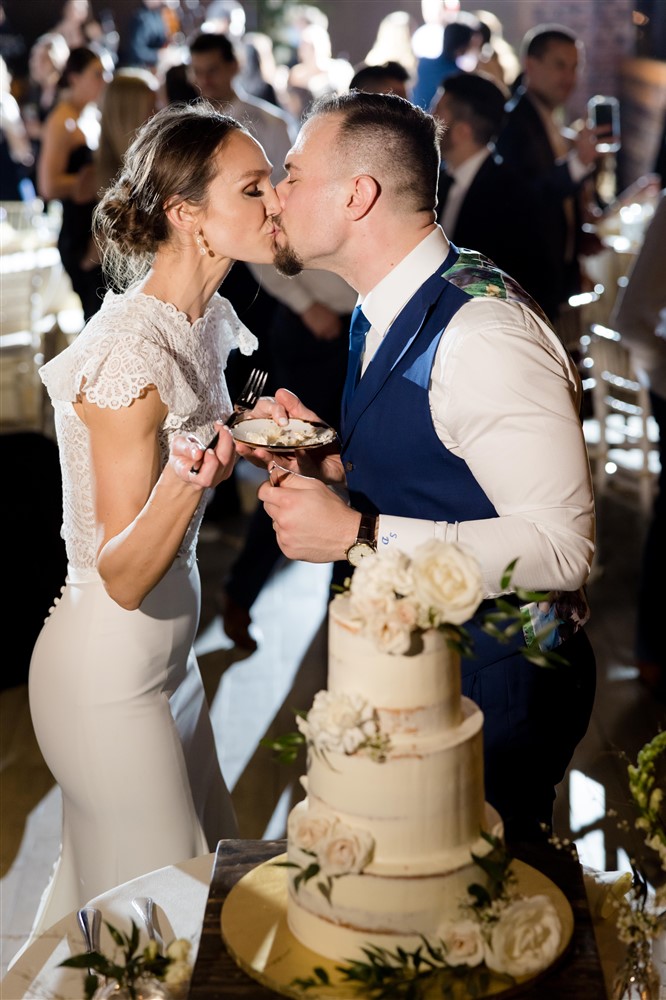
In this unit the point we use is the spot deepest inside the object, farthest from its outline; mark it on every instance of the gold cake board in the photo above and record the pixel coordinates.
(255, 931)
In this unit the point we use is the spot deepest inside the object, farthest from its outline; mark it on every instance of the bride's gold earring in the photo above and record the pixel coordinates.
(202, 243)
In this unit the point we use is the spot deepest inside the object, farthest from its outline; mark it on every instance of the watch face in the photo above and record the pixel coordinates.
(359, 551)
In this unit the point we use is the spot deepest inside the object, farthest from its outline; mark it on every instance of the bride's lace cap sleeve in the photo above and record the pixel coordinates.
(234, 333)
(116, 356)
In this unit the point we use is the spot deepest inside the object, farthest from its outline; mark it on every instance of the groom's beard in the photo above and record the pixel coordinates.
(285, 259)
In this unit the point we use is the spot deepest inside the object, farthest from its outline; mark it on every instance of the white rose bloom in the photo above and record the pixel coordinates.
(447, 582)
(338, 722)
(389, 573)
(463, 942)
(345, 851)
(179, 950)
(307, 829)
(177, 977)
(390, 635)
(526, 937)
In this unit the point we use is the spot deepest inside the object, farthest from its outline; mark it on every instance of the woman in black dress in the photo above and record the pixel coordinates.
(66, 172)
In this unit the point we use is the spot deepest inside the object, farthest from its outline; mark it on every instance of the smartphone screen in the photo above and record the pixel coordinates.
(604, 113)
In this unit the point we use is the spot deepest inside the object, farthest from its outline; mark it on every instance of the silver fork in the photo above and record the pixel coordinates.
(145, 906)
(248, 398)
(90, 922)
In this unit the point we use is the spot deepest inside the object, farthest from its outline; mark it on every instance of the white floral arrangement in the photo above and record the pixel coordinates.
(392, 594)
(519, 938)
(343, 723)
(330, 848)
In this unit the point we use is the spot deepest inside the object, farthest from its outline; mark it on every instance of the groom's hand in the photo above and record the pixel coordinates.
(281, 407)
(311, 522)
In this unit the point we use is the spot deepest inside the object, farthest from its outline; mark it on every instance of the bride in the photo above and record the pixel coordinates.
(115, 692)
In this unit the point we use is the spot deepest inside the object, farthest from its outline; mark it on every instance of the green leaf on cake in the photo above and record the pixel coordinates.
(286, 747)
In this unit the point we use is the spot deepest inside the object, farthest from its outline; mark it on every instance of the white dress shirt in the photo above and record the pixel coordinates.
(504, 397)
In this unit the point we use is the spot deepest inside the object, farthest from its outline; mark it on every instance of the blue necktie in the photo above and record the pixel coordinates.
(358, 328)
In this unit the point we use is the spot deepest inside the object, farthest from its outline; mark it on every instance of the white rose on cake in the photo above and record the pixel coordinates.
(379, 581)
(338, 722)
(448, 584)
(526, 937)
(306, 830)
(347, 850)
(463, 942)
(391, 627)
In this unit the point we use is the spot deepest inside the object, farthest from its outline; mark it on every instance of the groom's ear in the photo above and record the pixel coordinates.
(364, 192)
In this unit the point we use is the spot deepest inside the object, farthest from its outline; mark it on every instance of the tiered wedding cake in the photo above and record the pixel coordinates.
(381, 848)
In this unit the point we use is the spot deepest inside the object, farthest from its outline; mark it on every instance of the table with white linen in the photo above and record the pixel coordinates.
(179, 892)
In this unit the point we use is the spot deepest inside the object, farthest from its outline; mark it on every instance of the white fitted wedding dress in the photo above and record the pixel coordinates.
(116, 696)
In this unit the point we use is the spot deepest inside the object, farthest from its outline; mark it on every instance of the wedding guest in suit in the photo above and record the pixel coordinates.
(482, 203)
(552, 168)
(116, 698)
(464, 425)
(640, 317)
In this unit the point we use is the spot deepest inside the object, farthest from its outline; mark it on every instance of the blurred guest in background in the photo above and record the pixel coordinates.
(177, 86)
(47, 60)
(258, 69)
(497, 57)
(640, 318)
(461, 46)
(225, 17)
(316, 73)
(66, 171)
(553, 169)
(482, 203)
(389, 78)
(145, 37)
(215, 72)
(393, 42)
(16, 157)
(428, 39)
(129, 100)
(77, 24)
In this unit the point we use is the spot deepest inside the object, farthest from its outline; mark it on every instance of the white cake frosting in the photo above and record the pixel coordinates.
(382, 845)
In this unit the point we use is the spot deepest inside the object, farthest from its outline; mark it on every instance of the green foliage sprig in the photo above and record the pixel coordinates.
(135, 964)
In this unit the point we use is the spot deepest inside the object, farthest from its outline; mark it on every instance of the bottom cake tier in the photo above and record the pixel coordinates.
(337, 917)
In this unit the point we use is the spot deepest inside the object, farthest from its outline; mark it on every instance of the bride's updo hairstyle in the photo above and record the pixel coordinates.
(172, 159)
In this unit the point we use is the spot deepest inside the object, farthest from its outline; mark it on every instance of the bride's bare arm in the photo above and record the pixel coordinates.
(142, 515)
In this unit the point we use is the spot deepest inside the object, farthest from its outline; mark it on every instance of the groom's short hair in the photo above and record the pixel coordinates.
(389, 138)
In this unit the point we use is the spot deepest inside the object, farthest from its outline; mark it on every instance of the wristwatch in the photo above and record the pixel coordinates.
(365, 544)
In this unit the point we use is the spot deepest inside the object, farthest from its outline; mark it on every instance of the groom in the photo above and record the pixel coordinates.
(460, 421)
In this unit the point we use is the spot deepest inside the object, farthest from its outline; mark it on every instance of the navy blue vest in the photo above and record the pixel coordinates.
(394, 461)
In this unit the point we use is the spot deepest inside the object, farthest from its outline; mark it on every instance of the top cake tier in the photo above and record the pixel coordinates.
(415, 693)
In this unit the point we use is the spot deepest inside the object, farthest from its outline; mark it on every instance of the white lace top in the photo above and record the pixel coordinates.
(136, 340)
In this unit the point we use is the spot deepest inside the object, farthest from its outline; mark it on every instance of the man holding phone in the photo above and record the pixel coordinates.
(552, 166)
